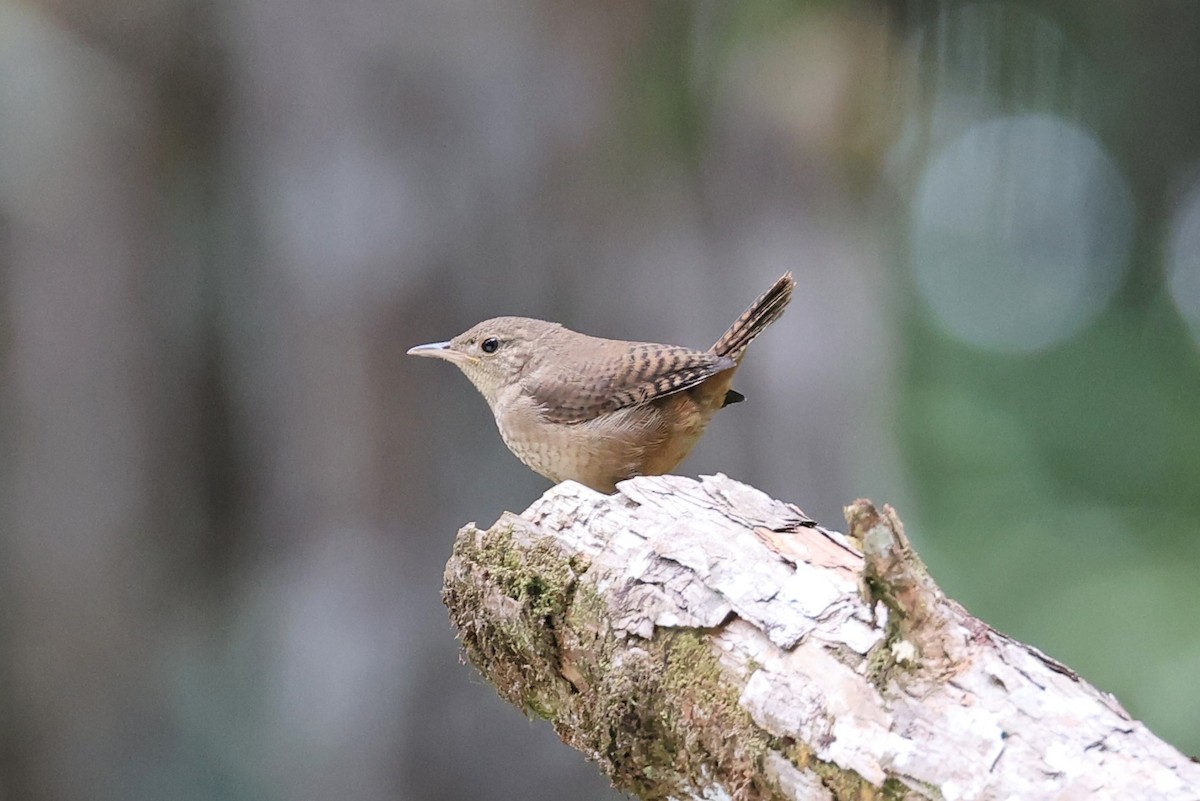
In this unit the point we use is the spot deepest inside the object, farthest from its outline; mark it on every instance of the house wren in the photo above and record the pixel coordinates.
(598, 411)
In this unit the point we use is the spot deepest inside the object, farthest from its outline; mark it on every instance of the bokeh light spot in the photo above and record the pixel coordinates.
(1183, 259)
(1020, 233)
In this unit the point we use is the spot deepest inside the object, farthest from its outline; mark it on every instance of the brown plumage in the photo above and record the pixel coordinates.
(598, 411)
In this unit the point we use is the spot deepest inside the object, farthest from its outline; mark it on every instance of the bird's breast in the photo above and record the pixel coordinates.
(597, 452)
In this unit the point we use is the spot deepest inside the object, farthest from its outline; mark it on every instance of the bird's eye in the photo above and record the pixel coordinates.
(489, 345)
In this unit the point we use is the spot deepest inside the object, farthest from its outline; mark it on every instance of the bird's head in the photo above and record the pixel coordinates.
(493, 354)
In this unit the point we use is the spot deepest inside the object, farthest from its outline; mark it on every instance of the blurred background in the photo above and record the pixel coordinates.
(226, 496)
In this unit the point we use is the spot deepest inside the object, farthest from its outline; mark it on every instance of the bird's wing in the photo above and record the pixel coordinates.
(581, 389)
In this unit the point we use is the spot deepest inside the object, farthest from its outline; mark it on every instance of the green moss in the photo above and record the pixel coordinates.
(882, 665)
(505, 602)
(668, 722)
(843, 783)
(896, 790)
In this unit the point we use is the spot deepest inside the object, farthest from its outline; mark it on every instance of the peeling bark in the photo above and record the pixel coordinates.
(698, 639)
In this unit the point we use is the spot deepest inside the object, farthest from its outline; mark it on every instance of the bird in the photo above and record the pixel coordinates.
(600, 411)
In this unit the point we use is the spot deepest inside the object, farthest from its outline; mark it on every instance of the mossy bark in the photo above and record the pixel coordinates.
(701, 640)
(660, 716)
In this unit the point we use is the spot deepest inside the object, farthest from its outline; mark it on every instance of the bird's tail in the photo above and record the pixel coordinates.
(761, 313)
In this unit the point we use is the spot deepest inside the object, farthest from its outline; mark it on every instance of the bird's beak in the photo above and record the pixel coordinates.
(439, 350)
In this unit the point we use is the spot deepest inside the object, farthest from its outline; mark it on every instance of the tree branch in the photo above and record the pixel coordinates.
(701, 640)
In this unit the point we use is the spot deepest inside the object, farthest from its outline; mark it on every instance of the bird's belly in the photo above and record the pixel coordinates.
(688, 417)
(650, 439)
(597, 453)
(548, 451)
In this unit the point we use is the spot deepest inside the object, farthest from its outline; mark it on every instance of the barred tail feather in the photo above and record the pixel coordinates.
(761, 313)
